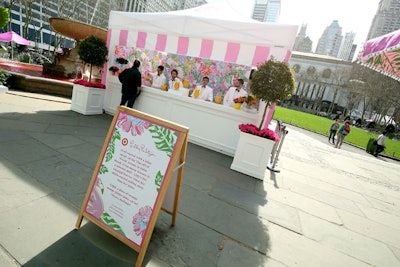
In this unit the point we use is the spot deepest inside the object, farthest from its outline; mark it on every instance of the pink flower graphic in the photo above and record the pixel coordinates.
(134, 125)
(141, 219)
(95, 204)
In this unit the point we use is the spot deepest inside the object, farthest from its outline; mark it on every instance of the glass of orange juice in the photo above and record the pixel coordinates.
(196, 93)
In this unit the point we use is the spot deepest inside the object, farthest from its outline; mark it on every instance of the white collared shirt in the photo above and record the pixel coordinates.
(206, 93)
(172, 82)
(158, 80)
(233, 93)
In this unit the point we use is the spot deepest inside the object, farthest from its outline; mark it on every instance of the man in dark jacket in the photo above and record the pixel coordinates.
(131, 80)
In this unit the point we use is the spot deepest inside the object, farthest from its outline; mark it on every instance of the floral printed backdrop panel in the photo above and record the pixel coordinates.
(149, 59)
(193, 69)
(387, 62)
(131, 175)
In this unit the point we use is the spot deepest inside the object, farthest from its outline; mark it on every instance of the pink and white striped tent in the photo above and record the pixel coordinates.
(210, 31)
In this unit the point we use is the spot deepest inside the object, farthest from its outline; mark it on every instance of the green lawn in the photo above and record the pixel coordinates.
(321, 125)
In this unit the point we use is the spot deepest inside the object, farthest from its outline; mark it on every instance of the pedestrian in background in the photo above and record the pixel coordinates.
(333, 130)
(380, 143)
(131, 80)
(342, 133)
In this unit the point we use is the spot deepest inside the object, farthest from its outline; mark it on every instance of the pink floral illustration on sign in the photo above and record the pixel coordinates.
(131, 124)
(95, 205)
(141, 219)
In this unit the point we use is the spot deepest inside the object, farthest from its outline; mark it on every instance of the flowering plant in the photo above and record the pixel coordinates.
(241, 99)
(90, 84)
(265, 133)
(113, 68)
(250, 100)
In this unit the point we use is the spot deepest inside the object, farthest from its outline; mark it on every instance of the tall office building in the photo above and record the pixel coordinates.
(266, 10)
(330, 41)
(303, 43)
(386, 20)
(346, 46)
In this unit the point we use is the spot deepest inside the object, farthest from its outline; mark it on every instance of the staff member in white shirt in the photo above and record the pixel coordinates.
(175, 81)
(158, 79)
(234, 92)
(203, 92)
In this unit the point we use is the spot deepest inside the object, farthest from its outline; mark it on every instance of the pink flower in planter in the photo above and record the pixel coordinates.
(141, 219)
(90, 84)
(134, 125)
(265, 133)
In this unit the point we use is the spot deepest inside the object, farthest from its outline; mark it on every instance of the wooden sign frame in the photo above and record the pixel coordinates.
(115, 180)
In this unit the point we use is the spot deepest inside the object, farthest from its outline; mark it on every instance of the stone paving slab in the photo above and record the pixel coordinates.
(366, 227)
(381, 217)
(291, 183)
(25, 151)
(293, 249)
(234, 255)
(17, 187)
(28, 229)
(346, 241)
(303, 203)
(57, 141)
(235, 223)
(273, 211)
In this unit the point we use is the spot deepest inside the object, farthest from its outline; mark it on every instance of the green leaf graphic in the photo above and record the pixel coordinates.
(103, 169)
(158, 180)
(105, 217)
(165, 138)
(111, 147)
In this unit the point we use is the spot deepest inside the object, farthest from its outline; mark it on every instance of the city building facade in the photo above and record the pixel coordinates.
(347, 47)
(266, 10)
(386, 19)
(330, 40)
(303, 43)
(320, 82)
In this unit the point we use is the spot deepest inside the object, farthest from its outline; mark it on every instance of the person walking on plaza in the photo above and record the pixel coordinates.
(380, 143)
(333, 130)
(131, 80)
(342, 133)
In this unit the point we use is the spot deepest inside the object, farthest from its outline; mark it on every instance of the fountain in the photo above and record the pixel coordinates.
(67, 63)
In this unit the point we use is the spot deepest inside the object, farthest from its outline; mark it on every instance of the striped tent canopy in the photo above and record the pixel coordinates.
(210, 31)
(383, 54)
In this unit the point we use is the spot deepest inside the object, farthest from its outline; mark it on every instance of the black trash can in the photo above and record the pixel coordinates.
(371, 146)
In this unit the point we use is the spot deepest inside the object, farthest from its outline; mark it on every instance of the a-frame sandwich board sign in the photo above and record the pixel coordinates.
(133, 175)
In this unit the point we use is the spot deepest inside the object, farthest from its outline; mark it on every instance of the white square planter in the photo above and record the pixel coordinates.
(252, 155)
(3, 89)
(87, 100)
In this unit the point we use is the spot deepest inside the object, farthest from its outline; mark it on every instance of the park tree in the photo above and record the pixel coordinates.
(271, 82)
(4, 16)
(93, 51)
(339, 79)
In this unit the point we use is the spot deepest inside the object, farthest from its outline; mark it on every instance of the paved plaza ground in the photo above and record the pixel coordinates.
(326, 207)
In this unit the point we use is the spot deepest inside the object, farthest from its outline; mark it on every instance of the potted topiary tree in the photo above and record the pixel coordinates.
(87, 96)
(93, 51)
(271, 82)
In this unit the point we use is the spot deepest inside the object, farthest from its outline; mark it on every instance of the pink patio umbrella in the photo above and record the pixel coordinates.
(13, 37)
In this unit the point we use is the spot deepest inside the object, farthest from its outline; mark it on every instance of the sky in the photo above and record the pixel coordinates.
(352, 15)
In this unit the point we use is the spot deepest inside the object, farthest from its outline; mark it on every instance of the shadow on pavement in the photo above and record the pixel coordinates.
(218, 222)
